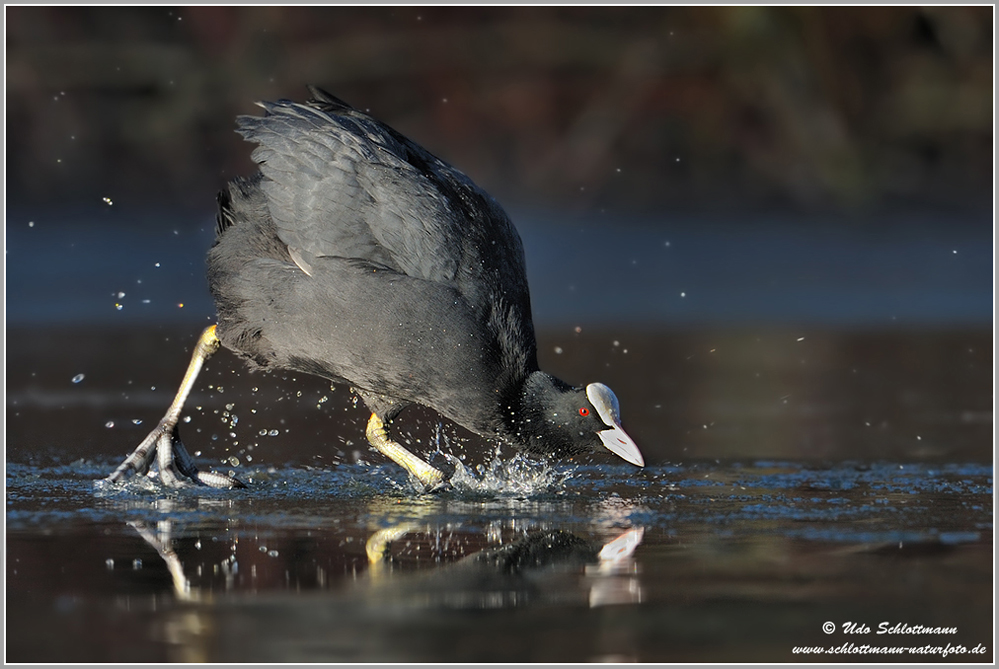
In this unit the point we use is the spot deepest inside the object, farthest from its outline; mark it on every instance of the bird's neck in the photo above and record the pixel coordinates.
(528, 423)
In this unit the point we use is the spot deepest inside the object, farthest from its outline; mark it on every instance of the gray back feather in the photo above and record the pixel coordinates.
(339, 183)
(343, 184)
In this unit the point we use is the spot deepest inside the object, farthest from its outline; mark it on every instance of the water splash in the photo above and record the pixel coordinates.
(519, 476)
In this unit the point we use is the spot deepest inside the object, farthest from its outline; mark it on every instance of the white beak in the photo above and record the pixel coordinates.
(615, 439)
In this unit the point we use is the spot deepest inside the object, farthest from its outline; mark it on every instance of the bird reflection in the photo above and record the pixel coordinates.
(162, 543)
(543, 565)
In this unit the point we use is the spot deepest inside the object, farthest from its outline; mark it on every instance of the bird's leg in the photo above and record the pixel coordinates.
(431, 478)
(175, 465)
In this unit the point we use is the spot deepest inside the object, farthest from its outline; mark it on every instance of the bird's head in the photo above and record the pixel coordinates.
(558, 419)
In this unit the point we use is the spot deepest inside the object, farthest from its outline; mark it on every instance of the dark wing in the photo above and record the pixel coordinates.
(340, 183)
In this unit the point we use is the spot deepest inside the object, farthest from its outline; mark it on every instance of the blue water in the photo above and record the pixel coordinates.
(854, 479)
(848, 502)
(118, 267)
(762, 272)
(711, 562)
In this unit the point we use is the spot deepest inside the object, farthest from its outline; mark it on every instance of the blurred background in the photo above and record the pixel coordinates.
(799, 109)
(769, 229)
(708, 196)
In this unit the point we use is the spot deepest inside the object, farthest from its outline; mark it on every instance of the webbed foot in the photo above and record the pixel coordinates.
(176, 466)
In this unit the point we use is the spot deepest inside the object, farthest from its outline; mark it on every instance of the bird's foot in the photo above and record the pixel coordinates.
(176, 467)
(441, 484)
(431, 478)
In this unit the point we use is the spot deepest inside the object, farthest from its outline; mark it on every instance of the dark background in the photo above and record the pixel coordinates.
(851, 110)
(674, 166)
(770, 230)
(776, 221)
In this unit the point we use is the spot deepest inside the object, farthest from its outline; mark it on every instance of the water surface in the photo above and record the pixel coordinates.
(793, 480)
(814, 403)
(733, 562)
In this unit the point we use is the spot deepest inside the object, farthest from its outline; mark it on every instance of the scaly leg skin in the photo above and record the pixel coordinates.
(176, 467)
(431, 478)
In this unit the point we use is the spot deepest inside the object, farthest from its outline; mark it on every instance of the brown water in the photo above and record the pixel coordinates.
(794, 479)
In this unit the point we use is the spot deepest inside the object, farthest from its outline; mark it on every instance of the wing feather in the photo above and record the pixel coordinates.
(345, 185)
(341, 184)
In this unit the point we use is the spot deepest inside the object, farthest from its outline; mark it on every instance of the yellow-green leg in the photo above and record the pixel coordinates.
(430, 477)
(175, 465)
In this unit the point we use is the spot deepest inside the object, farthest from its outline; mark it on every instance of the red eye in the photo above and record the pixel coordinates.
(583, 411)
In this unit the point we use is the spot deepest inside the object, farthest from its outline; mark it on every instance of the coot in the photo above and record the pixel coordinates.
(356, 255)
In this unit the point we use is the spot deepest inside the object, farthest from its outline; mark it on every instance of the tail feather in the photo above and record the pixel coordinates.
(240, 189)
(327, 101)
(224, 218)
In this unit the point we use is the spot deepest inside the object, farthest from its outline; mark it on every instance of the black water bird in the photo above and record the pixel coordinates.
(356, 255)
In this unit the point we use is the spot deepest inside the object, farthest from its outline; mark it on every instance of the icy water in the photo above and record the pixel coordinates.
(845, 478)
(815, 407)
(737, 562)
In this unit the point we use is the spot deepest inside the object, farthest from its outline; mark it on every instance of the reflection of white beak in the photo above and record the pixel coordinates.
(615, 579)
(615, 439)
(615, 552)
